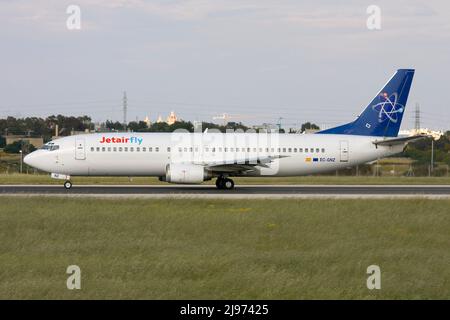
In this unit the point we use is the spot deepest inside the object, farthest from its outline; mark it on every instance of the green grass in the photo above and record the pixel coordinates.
(205, 249)
(313, 180)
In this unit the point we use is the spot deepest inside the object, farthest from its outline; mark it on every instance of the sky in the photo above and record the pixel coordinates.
(256, 60)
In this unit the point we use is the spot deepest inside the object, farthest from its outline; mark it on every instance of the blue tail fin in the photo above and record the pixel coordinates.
(384, 114)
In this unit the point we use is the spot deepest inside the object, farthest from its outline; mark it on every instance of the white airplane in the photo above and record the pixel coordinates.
(191, 158)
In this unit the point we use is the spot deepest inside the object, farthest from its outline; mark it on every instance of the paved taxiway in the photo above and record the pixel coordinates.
(241, 191)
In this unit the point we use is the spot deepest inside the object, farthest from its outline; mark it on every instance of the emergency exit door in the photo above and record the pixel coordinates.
(80, 151)
(344, 150)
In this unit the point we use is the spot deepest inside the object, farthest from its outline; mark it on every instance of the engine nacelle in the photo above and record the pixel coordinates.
(186, 173)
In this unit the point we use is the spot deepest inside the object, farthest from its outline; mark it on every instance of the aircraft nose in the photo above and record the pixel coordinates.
(29, 159)
(34, 159)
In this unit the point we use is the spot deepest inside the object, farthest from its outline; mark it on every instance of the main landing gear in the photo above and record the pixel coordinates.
(224, 183)
(67, 184)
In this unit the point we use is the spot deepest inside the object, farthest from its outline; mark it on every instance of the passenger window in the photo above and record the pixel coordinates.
(317, 150)
(92, 149)
(109, 149)
(185, 149)
(120, 149)
(138, 149)
(290, 150)
(300, 150)
(323, 150)
(254, 149)
(125, 149)
(306, 150)
(103, 149)
(156, 149)
(131, 149)
(284, 149)
(144, 149)
(168, 149)
(295, 150)
(114, 149)
(150, 149)
(98, 149)
(272, 150)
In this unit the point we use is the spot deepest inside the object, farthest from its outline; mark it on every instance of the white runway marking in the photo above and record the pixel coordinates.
(234, 196)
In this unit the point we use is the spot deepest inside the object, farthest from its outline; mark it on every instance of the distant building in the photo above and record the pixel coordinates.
(74, 132)
(35, 141)
(197, 126)
(172, 118)
(267, 127)
(147, 121)
(310, 131)
(100, 127)
(436, 135)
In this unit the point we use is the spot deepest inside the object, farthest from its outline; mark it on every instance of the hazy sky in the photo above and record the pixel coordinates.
(257, 59)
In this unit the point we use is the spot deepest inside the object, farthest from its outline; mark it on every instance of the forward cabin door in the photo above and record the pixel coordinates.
(80, 150)
(344, 150)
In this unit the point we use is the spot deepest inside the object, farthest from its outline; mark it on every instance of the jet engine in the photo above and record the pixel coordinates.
(186, 173)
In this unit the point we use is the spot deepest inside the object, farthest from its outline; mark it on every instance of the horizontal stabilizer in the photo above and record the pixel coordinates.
(399, 140)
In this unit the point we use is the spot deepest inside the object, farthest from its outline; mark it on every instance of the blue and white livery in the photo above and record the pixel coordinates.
(189, 158)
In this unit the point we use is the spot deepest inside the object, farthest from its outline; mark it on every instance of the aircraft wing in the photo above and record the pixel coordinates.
(398, 140)
(239, 165)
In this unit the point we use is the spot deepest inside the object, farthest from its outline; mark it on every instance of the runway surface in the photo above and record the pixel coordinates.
(241, 191)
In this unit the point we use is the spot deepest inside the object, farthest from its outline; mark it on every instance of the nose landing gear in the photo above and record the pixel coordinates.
(223, 183)
(67, 184)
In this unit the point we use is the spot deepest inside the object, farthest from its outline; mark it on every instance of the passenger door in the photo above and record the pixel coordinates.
(80, 150)
(344, 151)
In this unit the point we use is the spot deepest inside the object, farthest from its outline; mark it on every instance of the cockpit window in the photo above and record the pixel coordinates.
(50, 146)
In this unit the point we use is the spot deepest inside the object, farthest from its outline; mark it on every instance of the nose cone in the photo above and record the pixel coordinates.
(29, 159)
(37, 160)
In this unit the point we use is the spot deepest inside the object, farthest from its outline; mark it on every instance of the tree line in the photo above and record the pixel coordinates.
(44, 127)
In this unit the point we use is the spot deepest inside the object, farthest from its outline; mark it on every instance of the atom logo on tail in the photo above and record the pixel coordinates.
(388, 108)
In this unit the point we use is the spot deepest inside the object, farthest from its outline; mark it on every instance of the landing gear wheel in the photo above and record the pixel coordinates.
(67, 185)
(224, 183)
(227, 184)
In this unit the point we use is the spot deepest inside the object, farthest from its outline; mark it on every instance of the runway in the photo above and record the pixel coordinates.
(241, 191)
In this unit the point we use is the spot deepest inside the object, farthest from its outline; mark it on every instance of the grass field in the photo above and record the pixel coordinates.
(281, 249)
(313, 180)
